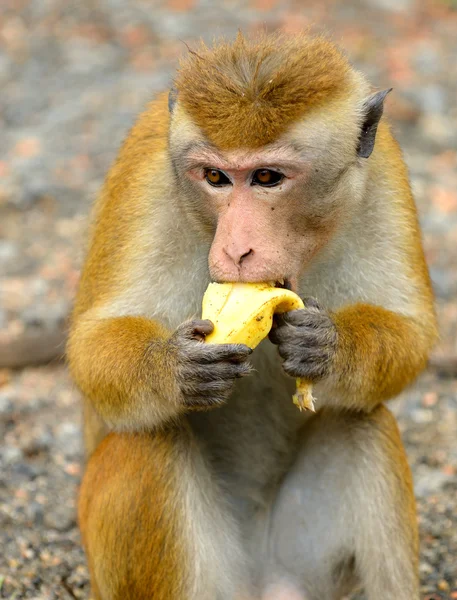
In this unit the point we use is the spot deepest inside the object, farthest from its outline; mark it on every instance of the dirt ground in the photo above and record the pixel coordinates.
(72, 77)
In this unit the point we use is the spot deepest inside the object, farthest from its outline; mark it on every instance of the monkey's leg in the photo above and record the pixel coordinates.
(345, 514)
(153, 523)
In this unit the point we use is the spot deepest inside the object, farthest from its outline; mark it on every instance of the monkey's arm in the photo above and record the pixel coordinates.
(121, 366)
(136, 373)
(379, 353)
(362, 354)
(138, 376)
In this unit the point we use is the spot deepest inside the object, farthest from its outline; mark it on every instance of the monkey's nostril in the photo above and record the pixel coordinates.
(245, 255)
(236, 255)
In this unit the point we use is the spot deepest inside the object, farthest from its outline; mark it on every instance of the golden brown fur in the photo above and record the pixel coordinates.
(380, 353)
(131, 515)
(121, 207)
(246, 93)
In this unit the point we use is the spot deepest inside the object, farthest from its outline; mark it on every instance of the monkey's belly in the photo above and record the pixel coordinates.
(248, 441)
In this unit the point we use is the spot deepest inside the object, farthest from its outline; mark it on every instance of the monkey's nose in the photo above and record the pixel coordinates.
(237, 256)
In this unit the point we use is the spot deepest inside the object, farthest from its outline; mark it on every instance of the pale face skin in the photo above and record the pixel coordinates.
(269, 214)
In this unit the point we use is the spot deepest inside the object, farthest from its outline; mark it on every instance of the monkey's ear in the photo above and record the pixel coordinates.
(172, 97)
(372, 109)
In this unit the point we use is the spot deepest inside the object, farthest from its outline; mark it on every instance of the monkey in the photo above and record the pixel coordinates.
(269, 160)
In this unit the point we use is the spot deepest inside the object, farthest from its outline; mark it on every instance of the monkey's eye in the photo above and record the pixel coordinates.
(216, 178)
(267, 177)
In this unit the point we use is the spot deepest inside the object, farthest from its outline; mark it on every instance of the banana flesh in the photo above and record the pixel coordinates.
(242, 313)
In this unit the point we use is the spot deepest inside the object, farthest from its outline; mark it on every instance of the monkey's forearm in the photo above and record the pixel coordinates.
(378, 354)
(121, 366)
(137, 375)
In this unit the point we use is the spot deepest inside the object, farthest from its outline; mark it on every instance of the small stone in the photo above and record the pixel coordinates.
(426, 58)
(430, 399)
(5, 377)
(8, 251)
(425, 568)
(26, 470)
(35, 512)
(432, 99)
(6, 405)
(61, 518)
(449, 470)
(41, 442)
(436, 128)
(41, 315)
(27, 147)
(441, 283)
(11, 455)
(73, 469)
(400, 6)
(429, 481)
(68, 436)
(422, 415)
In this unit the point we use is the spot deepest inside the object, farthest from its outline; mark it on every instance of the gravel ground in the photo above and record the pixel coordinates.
(72, 77)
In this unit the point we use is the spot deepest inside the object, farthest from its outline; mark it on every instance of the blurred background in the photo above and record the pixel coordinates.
(73, 75)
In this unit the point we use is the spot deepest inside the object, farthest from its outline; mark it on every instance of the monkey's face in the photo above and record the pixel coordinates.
(268, 211)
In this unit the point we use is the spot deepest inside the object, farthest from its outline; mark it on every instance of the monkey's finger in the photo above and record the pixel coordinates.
(304, 318)
(274, 337)
(278, 321)
(195, 402)
(311, 303)
(212, 388)
(210, 353)
(303, 354)
(297, 335)
(218, 371)
(312, 371)
(208, 388)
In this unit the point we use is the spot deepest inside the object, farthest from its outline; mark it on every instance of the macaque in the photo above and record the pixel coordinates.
(267, 162)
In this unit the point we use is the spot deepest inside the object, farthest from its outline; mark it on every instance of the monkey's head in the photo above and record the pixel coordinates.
(269, 140)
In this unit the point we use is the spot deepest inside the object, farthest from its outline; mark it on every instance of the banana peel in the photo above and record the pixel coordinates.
(242, 313)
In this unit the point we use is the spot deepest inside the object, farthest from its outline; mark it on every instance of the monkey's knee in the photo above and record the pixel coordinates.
(131, 518)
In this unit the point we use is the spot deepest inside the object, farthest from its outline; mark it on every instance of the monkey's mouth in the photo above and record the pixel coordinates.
(284, 284)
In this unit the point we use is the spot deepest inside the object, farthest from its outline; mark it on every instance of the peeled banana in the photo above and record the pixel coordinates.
(242, 313)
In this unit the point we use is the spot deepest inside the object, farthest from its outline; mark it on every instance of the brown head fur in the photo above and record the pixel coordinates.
(258, 87)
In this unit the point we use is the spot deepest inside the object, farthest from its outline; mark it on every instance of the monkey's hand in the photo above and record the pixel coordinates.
(205, 373)
(307, 341)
